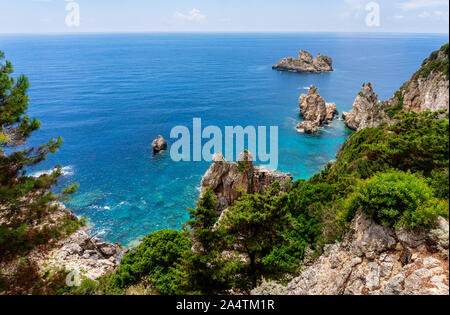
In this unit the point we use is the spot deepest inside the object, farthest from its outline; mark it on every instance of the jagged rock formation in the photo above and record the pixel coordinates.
(427, 90)
(315, 111)
(367, 111)
(227, 179)
(376, 260)
(305, 63)
(159, 144)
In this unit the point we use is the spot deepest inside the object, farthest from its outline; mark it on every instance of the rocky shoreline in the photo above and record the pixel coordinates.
(90, 256)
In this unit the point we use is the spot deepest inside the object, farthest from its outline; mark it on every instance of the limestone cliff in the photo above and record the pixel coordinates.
(227, 179)
(305, 63)
(315, 111)
(427, 90)
(376, 260)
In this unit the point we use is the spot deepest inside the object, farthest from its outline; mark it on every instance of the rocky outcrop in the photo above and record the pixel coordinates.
(159, 144)
(427, 90)
(79, 253)
(376, 260)
(367, 111)
(228, 179)
(315, 111)
(305, 63)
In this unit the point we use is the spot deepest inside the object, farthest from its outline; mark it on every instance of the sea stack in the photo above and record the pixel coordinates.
(159, 144)
(315, 111)
(305, 63)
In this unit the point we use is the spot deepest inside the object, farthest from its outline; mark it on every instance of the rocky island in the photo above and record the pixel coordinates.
(305, 63)
(315, 111)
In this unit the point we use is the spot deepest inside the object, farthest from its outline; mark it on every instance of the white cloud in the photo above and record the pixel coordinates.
(193, 16)
(421, 4)
(399, 17)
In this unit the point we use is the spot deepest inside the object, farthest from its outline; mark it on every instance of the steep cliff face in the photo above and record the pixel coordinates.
(315, 111)
(427, 90)
(376, 260)
(305, 63)
(227, 179)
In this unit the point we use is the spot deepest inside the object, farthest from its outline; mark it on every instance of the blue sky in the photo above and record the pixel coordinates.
(47, 16)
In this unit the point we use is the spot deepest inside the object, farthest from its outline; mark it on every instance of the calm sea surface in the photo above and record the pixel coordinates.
(109, 96)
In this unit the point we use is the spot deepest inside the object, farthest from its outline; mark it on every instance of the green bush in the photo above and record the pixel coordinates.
(153, 260)
(398, 199)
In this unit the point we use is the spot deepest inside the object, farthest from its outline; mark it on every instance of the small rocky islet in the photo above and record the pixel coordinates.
(159, 144)
(305, 63)
(315, 111)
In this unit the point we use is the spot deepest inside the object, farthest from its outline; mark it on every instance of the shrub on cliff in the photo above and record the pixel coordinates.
(417, 143)
(25, 202)
(153, 261)
(397, 199)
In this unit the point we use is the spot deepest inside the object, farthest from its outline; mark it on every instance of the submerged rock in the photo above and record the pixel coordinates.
(305, 63)
(159, 144)
(227, 179)
(315, 111)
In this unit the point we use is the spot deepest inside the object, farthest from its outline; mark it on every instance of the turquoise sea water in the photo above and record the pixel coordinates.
(109, 96)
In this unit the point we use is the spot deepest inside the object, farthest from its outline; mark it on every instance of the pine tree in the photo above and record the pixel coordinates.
(204, 270)
(25, 202)
(255, 226)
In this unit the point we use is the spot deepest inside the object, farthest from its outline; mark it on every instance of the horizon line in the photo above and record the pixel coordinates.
(221, 32)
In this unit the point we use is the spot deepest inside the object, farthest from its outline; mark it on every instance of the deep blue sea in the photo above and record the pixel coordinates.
(109, 96)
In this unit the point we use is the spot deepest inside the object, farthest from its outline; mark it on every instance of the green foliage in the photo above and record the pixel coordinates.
(433, 63)
(418, 142)
(255, 226)
(397, 199)
(25, 202)
(440, 183)
(205, 271)
(153, 260)
(396, 109)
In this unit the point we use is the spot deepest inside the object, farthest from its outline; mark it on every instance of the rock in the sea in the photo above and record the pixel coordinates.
(227, 179)
(376, 260)
(159, 144)
(305, 63)
(315, 111)
(427, 90)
